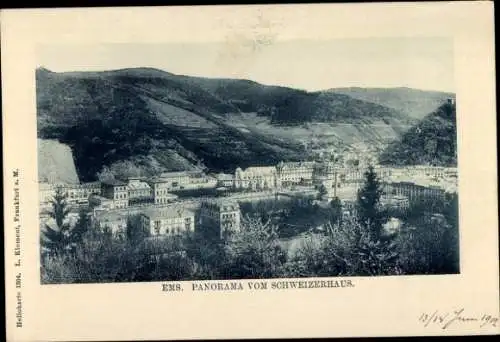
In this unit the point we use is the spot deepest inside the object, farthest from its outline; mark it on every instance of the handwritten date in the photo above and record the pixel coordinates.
(450, 318)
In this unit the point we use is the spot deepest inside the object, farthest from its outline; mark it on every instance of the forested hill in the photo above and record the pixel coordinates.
(147, 120)
(415, 103)
(433, 141)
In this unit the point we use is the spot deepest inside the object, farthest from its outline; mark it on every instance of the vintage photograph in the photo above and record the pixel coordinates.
(256, 160)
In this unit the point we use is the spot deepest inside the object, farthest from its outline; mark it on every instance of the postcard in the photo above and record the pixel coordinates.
(228, 172)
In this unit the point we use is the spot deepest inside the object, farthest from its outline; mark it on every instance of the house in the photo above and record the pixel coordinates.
(116, 190)
(395, 201)
(256, 178)
(291, 173)
(115, 221)
(167, 221)
(412, 191)
(139, 191)
(218, 217)
(80, 193)
(225, 180)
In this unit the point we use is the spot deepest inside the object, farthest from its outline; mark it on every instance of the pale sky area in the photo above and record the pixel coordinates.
(423, 63)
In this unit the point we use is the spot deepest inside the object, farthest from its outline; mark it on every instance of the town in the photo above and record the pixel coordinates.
(171, 203)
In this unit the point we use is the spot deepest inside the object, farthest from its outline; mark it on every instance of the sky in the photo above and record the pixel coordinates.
(422, 63)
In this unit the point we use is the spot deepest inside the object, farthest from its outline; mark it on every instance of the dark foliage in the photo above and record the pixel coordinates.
(369, 212)
(59, 239)
(424, 245)
(433, 141)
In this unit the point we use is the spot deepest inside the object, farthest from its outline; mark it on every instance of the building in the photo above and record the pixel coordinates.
(160, 190)
(117, 191)
(327, 175)
(198, 179)
(292, 173)
(139, 191)
(97, 202)
(394, 201)
(115, 221)
(383, 173)
(412, 191)
(76, 194)
(168, 221)
(354, 176)
(218, 217)
(256, 178)
(80, 193)
(225, 180)
(178, 180)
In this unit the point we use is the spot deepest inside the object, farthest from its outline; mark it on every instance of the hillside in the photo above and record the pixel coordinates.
(414, 103)
(433, 141)
(154, 120)
(286, 106)
(55, 162)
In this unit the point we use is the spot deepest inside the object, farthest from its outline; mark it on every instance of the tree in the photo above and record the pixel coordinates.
(323, 191)
(81, 226)
(369, 213)
(336, 210)
(58, 240)
(135, 232)
(254, 251)
(105, 174)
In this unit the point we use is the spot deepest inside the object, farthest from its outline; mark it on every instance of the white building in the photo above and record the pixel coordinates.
(160, 190)
(225, 180)
(256, 178)
(115, 221)
(139, 190)
(76, 194)
(117, 191)
(291, 173)
(168, 221)
(220, 216)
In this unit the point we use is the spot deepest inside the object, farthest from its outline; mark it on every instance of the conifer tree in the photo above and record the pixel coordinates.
(369, 213)
(57, 240)
(376, 252)
(81, 226)
(135, 232)
(336, 210)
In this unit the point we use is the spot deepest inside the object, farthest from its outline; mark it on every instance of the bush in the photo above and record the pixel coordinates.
(254, 252)
(431, 247)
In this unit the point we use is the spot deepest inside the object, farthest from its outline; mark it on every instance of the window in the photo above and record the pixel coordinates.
(157, 227)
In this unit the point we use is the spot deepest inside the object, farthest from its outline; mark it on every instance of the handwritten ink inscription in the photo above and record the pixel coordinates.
(456, 317)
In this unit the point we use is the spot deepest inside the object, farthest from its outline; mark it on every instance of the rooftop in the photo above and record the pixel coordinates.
(138, 185)
(179, 173)
(296, 164)
(258, 169)
(91, 184)
(114, 182)
(110, 215)
(167, 212)
(222, 204)
(224, 176)
(100, 198)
